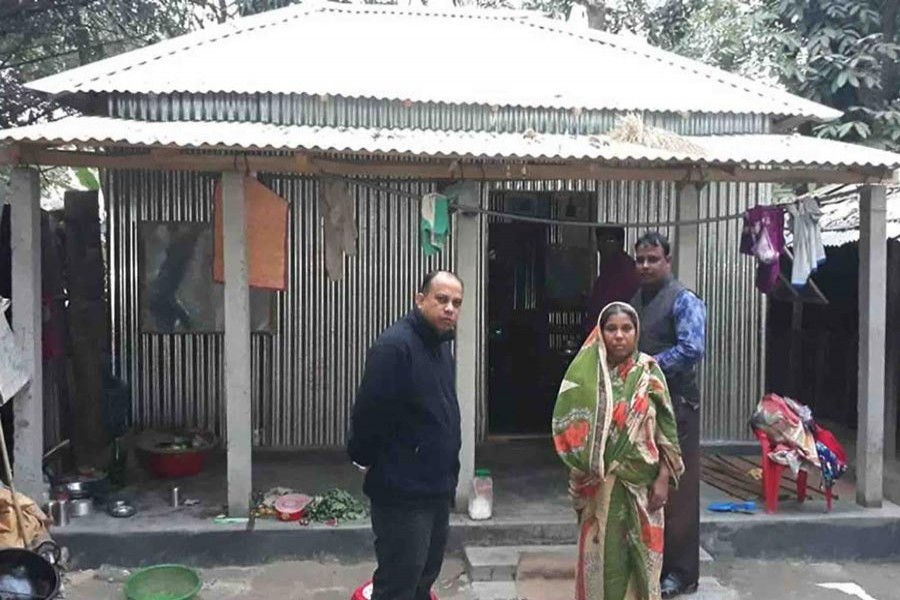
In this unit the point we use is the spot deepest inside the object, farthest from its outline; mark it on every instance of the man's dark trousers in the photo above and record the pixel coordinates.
(409, 545)
(681, 553)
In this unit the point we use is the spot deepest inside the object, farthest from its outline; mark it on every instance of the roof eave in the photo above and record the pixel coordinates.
(444, 166)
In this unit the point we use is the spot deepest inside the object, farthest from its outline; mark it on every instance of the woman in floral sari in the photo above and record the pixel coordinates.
(614, 427)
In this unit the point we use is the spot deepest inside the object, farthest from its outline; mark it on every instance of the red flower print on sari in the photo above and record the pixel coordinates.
(620, 414)
(625, 368)
(573, 437)
(641, 404)
(651, 535)
(592, 337)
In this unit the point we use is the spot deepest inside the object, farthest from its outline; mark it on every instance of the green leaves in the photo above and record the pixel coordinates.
(87, 179)
(839, 52)
(333, 507)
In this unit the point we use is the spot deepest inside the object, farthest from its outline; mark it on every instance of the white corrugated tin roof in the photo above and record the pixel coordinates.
(426, 55)
(105, 131)
(840, 213)
(754, 149)
(834, 239)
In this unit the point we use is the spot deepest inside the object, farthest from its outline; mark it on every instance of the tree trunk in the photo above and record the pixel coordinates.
(223, 11)
(87, 327)
(596, 12)
(890, 79)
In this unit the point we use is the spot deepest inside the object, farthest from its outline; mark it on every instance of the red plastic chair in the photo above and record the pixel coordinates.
(771, 480)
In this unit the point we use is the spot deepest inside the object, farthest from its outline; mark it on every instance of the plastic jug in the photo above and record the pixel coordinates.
(481, 496)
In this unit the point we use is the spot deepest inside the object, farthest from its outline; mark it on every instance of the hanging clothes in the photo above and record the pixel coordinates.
(434, 224)
(267, 218)
(339, 225)
(763, 238)
(809, 251)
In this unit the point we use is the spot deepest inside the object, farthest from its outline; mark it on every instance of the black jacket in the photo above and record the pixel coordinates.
(405, 424)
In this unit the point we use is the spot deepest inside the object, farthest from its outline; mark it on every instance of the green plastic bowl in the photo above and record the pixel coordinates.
(163, 582)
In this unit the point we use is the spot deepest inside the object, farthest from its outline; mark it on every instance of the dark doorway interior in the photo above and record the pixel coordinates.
(539, 276)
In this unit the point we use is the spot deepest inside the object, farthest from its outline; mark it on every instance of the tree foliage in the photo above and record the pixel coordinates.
(844, 53)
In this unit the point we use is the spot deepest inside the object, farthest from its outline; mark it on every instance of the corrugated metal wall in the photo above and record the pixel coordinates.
(305, 374)
(337, 111)
(733, 374)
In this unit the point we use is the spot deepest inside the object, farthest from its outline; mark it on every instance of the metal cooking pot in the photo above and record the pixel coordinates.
(77, 490)
(82, 507)
(27, 575)
(82, 486)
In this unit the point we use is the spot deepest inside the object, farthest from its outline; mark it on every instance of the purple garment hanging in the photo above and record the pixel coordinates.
(763, 238)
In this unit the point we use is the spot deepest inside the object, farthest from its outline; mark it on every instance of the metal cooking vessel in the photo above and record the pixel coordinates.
(77, 490)
(27, 575)
(82, 486)
(82, 507)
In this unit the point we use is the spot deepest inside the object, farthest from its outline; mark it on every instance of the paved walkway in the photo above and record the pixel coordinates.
(299, 580)
(732, 580)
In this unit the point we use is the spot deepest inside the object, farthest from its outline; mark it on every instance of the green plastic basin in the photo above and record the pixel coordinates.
(163, 582)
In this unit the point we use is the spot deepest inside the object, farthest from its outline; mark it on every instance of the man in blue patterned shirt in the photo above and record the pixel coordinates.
(673, 329)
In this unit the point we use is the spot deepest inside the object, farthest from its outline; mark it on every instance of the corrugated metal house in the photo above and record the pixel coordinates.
(515, 102)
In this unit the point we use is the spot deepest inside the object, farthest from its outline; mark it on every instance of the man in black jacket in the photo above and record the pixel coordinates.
(405, 431)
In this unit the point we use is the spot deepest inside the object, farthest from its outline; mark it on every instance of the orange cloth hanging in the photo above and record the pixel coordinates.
(267, 218)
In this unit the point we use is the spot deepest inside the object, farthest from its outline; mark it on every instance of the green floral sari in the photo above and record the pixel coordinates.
(613, 427)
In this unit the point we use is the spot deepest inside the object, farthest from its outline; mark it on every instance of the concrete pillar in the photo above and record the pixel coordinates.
(687, 237)
(872, 318)
(237, 345)
(25, 226)
(467, 244)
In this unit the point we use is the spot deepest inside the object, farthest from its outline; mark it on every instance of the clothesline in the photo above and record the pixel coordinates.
(517, 217)
(374, 186)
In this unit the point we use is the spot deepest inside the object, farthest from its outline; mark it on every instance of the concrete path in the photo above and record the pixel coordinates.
(299, 580)
(733, 580)
(550, 579)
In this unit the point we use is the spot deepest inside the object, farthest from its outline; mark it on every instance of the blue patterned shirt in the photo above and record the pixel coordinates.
(690, 332)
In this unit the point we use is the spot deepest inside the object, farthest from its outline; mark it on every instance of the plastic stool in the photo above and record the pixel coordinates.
(771, 480)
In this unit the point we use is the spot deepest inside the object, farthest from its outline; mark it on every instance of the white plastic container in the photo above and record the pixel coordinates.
(481, 496)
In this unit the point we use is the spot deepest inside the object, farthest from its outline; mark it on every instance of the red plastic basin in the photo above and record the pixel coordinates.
(172, 465)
